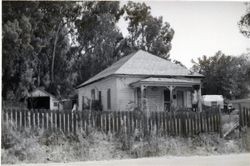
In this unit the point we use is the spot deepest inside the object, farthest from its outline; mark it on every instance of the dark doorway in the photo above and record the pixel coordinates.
(39, 103)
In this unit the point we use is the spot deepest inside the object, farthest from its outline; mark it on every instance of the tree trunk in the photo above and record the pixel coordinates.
(39, 76)
(54, 52)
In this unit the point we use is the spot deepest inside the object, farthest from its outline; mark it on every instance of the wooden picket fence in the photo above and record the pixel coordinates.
(181, 123)
(244, 117)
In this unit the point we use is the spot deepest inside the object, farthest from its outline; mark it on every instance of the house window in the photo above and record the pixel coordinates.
(109, 99)
(93, 94)
(55, 104)
(100, 97)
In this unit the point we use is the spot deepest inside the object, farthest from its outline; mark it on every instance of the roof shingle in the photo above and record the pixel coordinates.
(142, 63)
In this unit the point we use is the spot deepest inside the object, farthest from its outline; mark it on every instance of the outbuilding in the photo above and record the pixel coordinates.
(41, 99)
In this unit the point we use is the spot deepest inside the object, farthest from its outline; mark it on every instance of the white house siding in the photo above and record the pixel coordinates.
(51, 102)
(123, 96)
(103, 86)
(125, 93)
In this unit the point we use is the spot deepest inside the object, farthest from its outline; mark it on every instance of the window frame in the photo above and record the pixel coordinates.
(109, 98)
(55, 104)
(92, 94)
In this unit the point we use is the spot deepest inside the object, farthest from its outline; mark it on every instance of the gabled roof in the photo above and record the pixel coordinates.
(45, 93)
(142, 63)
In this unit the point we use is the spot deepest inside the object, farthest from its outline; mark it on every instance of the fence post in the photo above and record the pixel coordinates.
(145, 124)
(240, 119)
(32, 118)
(74, 122)
(40, 115)
(248, 117)
(220, 124)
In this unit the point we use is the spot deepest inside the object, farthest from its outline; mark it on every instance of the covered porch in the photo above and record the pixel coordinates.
(167, 94)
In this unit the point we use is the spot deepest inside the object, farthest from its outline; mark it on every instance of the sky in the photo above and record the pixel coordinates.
(201, 28)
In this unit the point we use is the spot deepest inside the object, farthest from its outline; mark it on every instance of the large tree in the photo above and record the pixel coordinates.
(35, 46)
(147, 32)
(225, 75)
(98, 38)
(58, 45)
(18, 53)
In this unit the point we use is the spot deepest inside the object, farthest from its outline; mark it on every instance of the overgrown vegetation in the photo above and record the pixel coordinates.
(33, 146)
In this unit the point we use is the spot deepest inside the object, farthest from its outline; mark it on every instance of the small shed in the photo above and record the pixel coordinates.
(41, 99)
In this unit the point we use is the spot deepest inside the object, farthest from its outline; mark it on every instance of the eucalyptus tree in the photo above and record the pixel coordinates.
(147, 32)
(58, 45)
(98, 37)
(36, 39)
(18, 51)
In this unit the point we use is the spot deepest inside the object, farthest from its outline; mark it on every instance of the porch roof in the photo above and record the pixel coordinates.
(152, 81)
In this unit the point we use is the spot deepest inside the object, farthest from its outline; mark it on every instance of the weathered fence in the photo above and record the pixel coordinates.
(244, 117)
(160, 123)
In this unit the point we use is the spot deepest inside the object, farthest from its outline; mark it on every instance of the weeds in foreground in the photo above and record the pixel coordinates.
(38, 146)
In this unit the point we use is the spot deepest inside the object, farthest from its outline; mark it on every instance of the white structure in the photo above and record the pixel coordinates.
(141, 80)
(213, 100)
(44, 100)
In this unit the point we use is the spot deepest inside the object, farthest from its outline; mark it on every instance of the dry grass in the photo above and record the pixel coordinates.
(36, 146)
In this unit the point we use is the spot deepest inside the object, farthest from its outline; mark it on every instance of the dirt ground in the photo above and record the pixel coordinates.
(219, 160)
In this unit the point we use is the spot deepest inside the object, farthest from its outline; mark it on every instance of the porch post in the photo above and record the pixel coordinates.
(199, 99)
(171, 97)
(142, 97)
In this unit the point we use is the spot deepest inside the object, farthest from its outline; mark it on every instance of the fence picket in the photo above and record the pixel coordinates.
(49, 119)
(248, 117)
(14, 116)
(74, 122)
(160, 123)
(187, 124)
(18, 119)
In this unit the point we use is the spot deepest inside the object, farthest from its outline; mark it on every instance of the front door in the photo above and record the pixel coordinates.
(180, 99)
(166, 100)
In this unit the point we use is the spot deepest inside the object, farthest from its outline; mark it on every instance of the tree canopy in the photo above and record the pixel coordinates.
(244, 23)
(35, 46)
(225, 75)
(147, 32)
(57, 45)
